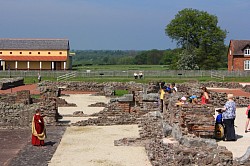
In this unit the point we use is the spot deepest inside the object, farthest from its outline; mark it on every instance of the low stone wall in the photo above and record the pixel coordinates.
(106, 88)
(17, 109)
(16, 115)
(230, 85)
(246, 88)
(6, 83)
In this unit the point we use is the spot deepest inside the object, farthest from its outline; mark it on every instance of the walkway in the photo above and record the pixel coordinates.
(239, 147)
(235, 92)
(32, 87)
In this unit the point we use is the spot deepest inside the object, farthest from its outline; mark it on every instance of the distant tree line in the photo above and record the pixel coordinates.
(168, 57)
(200, 45)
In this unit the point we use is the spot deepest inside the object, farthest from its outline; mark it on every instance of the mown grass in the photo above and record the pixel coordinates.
(120, 92)
(31, 80)
(123, 67)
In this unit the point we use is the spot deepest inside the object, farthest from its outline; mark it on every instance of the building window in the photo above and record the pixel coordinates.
(20, 52)
(29, 52)
(60, 53)
(38, 52)
(10, 52)
(48, 52)
(247, 51)
(247, 65)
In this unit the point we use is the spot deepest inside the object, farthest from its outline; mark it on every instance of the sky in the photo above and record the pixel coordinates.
(114, 24)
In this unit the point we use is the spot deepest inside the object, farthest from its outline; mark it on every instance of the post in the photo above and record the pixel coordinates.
(28, 65)
(40, 65)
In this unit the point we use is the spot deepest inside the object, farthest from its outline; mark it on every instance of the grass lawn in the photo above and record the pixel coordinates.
(122, 67)
(31, 80)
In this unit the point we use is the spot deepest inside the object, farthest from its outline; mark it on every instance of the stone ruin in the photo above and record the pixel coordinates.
(179, 136)
(6, 83)
(17, 109)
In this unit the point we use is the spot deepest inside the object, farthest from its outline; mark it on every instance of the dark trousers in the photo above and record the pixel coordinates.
(229, 129)
(161, 105)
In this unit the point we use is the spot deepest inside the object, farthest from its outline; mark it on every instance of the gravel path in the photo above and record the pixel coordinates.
(94, 145)
(239, 147)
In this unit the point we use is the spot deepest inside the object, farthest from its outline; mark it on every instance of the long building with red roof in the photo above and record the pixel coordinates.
(35, 54)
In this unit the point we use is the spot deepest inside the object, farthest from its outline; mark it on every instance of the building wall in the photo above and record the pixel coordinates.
(238, 62)
(10, 65)
(235, 62)
(22, 65)
(34, 52)
(35, 65)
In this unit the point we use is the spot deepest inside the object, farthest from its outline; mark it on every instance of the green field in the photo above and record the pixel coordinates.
(30, 80)
(122, 67)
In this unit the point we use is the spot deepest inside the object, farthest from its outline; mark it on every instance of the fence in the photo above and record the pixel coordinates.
(128, 73)
(66, 76)
(217, 76)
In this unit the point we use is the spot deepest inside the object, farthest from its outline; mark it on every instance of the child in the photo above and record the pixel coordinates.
(219, 128)
(219, 117)
(181, 101)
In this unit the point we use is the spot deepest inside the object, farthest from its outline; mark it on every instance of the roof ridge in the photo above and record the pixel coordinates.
(34, 39)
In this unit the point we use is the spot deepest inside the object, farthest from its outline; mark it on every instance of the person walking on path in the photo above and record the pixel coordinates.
(228, 116)
(248, 118)
(38, 129)
(39, 77)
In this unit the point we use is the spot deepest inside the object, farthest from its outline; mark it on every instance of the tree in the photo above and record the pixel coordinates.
(150, 57)
(197, 32)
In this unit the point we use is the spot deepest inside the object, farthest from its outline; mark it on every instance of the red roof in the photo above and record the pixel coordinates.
(33, 58)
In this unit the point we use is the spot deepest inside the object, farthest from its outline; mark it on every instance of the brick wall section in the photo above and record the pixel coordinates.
(125, 106)
(239, 62)
(23, 97)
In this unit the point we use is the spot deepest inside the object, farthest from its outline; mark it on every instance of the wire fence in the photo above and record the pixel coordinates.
(129, 73)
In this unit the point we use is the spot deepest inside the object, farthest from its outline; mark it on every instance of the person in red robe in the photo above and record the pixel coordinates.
(38, 129)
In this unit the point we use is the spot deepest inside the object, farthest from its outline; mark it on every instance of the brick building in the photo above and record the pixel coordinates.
(239, 55)
(35, 54)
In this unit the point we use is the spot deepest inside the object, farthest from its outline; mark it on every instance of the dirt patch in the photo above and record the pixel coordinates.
(235, 92)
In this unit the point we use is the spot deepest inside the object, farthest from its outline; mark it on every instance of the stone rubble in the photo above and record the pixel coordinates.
(179, 136)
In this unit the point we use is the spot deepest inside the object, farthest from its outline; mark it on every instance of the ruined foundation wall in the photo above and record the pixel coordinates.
(6, 83)
(17, 109)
